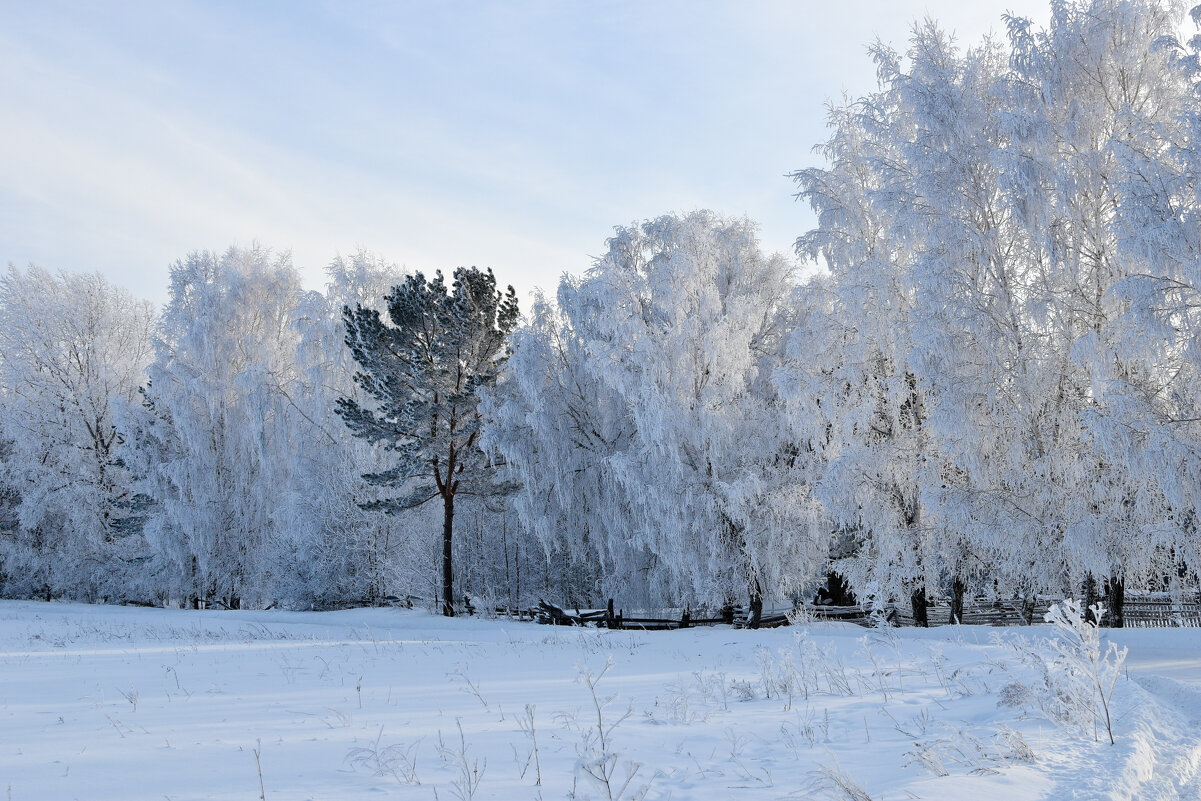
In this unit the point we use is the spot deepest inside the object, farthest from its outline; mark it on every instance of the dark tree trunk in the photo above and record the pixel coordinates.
(504, 540)
(1091, 596)
(1028, 609)
(193, 600)
(838, 590)
(756, 604)
(920, 605)
(448, 576)
(957, 591)
(756, 611)
(727, 613)
(1115, 601)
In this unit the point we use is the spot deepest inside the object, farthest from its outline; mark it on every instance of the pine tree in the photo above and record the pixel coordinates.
(424, 372)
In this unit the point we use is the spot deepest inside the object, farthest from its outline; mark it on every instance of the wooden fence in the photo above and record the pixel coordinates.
(1161, 612)
(1139, 611)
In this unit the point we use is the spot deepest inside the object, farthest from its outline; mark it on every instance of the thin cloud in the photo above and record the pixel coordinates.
(514, 136)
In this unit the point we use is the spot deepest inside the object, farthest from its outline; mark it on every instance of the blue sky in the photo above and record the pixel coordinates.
(512, 135)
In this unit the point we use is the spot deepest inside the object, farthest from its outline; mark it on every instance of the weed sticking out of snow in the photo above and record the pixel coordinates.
(838, 786)
(398, 760)
(529, 728)
(601, 769)
(468, 769)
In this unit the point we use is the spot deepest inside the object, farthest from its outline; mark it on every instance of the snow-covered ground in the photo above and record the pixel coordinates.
(116, 703)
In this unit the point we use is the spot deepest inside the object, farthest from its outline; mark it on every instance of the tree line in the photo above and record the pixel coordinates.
(992, 387)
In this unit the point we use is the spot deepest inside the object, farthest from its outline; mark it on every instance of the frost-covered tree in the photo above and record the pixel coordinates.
(640, 418)
(952, 211)
(1091, 89)
(210, 441)
(1145, 366)
(423, 373)
(858, 380)
(685, 326)
(544, 419)
(340, 552)
(71, 346)
(558, 426)
(993, 402)
(984, 362)
(10, 499)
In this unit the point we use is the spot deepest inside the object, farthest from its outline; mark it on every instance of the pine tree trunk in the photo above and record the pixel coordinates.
(448, 578)
(958, 588)
(920, 605)
(1115, 601)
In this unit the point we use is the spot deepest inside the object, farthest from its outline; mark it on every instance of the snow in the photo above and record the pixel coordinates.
(1172, 653)
(125, 703)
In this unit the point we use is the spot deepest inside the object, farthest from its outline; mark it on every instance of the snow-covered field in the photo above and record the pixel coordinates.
(121, 703)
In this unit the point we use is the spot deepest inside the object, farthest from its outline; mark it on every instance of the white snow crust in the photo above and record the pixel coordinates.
(112, 703)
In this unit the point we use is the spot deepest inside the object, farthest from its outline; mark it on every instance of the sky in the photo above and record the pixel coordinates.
(512, 135)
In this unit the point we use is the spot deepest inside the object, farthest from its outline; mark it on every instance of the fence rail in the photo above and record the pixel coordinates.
(1162, 613)
(1138, 612)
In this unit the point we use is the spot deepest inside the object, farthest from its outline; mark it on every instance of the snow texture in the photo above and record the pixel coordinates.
(132, 703)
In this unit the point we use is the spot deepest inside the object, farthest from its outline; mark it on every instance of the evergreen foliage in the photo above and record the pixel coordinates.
(424, 372)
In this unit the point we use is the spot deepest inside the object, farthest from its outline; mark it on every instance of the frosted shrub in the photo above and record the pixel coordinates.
(1079, 675)
(1088, 672)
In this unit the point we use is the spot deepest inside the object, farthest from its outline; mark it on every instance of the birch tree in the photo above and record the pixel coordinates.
(71, 346)
(558, 427)
(209, 441)
(876, 451)
(686, 330)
